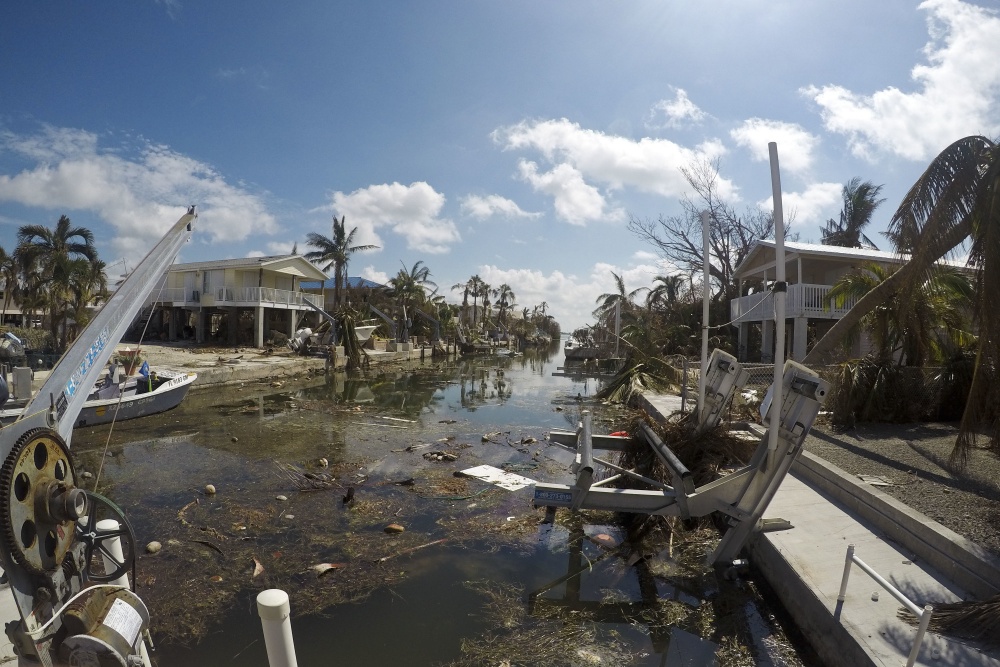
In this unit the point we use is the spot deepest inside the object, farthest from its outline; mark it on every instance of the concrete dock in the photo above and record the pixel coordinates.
(926, 561)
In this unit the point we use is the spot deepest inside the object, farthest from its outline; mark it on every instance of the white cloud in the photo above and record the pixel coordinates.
(380, 277)
(585, 159)
(284, 248)
(813, 206)
(140, 196)
(486, 207)
(410, 211)
(956, 91)
(795, 145)
(676, 112)
(570, 298)
(575, 201)
(643, 255)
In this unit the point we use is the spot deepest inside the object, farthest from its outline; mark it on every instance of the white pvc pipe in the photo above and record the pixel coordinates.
(780, 293)
(705, 234)
(114, 545)
(274, 611)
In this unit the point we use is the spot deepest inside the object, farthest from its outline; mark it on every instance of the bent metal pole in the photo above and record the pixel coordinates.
(780, 292)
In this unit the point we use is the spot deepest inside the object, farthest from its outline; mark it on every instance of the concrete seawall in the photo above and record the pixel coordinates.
(830, 510)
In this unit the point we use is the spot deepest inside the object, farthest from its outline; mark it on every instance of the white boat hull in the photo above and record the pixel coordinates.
(364, 333)
(133, 403)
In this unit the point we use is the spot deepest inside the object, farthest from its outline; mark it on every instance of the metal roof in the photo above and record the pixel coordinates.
(305, 268)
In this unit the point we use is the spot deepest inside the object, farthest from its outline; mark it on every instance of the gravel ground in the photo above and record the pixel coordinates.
(914, 459)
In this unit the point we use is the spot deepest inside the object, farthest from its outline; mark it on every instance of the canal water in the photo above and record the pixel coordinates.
(478, 576)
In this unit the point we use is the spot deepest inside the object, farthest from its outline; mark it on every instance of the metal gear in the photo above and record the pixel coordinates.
(39, 501)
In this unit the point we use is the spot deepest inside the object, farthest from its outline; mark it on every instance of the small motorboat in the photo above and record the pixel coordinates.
(117, 397)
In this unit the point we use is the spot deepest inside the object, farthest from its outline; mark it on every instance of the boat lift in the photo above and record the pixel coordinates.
(437, 324)
(742, 496)
(388, 320)
(68, 567)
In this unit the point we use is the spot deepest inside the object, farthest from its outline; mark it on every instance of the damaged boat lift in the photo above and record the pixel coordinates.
(741, 496)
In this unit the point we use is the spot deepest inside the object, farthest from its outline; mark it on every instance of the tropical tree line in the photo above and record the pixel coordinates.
(56, 274)
(411, 293)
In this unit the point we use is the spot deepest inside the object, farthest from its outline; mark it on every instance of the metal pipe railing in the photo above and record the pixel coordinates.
(923, 614)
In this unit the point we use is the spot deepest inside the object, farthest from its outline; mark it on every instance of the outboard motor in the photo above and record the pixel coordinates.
(300, 340)
(11, 350)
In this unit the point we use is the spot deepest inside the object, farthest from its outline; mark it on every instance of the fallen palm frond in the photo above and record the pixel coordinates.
(978, 620)
(636, 378)
(305, 480)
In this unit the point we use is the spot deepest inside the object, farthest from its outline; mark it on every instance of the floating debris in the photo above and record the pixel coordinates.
(498, 477)
(210, 489)
(441, 456)
(153, 547)
(394, 529)
(322, 568)
(258, 569)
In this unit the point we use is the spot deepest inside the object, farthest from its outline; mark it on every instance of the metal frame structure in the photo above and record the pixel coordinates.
(741, 496)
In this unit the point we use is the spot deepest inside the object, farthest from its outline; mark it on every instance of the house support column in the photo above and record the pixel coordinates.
(767, 342)
(293, 321)
(258, 326)
(234, 324)
(800, 338)
(172, 323)
(199, 326)
(744, 338)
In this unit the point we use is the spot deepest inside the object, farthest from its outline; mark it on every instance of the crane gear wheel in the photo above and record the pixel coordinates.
(39, 501)
(105, 561)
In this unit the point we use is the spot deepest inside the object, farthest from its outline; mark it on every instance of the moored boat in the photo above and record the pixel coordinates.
(116, 399)
(575, 350)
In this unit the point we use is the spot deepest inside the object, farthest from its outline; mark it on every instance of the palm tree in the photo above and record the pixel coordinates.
(606, 302)
(505, 300)
(46, 258)
(465, 287)
(928, 332)
(334, 253)
(476, 285)
(956, 199)
(9, 274)
(860, 201)
(410, 288)
(666, 292)
(88, 288)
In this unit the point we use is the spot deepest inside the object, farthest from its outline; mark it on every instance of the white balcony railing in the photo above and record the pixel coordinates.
(802, 301)
(241, 296)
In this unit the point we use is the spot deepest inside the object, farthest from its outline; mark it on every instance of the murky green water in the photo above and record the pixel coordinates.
(409, 599)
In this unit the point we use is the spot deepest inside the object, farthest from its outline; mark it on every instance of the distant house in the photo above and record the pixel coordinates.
(12, 316)
(235, 301)
(357, 290)
(811, 270)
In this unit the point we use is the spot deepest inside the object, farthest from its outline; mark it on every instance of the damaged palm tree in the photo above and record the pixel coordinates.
(352, 348)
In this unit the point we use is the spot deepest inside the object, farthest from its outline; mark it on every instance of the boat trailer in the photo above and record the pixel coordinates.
(742, 496)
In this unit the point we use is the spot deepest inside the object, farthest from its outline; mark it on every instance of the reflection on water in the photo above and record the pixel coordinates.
(427, 603)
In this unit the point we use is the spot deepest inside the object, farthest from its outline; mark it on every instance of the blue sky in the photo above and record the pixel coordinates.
(511, 140)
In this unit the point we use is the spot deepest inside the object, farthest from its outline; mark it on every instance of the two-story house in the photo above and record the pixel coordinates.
(811, 270)
(235, 301)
